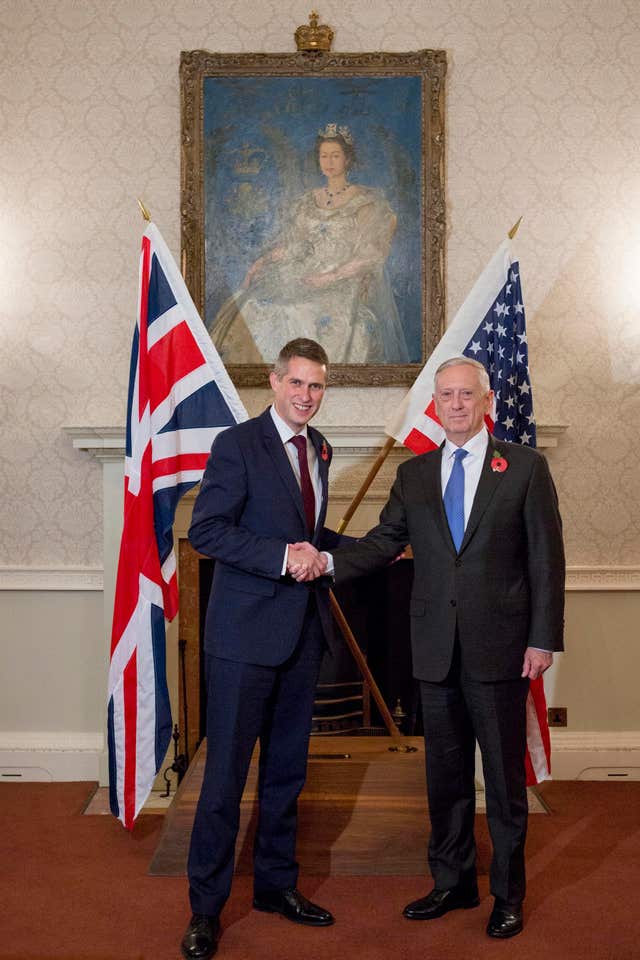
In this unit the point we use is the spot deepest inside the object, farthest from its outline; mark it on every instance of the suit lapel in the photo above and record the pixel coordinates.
(278, 454)
(487, 486)
(320, 445)
(432, 476)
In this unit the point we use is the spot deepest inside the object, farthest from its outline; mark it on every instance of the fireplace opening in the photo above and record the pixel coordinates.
(377, 610)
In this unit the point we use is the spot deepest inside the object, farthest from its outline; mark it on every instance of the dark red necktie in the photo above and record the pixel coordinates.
(306, 487)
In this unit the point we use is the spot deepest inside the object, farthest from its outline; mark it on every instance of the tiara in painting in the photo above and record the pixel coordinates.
(332, 130)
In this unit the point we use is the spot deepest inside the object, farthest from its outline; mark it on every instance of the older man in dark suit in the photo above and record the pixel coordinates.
(264, 491)
(486, 615)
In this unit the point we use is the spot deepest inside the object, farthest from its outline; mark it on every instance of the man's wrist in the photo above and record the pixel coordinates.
(329, 572)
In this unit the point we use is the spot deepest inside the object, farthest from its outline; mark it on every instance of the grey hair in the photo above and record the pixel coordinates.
(483, 376)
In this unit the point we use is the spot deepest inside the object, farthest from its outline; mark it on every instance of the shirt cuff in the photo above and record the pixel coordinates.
(330, 568)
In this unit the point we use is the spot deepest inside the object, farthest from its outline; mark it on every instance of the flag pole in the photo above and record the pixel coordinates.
(367, 676)
(341, 620)
(143, 210)
(514, 229)
(370, 477)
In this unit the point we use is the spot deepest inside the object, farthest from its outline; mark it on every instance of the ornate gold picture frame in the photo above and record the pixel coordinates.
(312, 204)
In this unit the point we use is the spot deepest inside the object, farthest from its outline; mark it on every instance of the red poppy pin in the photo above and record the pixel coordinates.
(498, 463)
(324, 453)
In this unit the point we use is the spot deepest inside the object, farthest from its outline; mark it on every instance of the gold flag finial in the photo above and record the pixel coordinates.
(514, 229)
(143, 210)
(313, 38)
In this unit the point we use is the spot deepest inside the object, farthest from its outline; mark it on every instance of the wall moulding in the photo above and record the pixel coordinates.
(51, 578)
(580, 579)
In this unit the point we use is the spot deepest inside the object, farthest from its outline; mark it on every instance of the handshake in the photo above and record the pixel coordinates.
(304, 562)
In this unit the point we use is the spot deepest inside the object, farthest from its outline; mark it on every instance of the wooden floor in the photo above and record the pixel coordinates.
(362, 811)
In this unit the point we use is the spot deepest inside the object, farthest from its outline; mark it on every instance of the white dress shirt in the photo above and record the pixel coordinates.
(476, 449)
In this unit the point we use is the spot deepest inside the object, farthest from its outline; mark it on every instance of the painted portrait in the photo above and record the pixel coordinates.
(314, 217)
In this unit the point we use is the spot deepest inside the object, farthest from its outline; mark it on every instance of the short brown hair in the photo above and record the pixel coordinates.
(300, 347)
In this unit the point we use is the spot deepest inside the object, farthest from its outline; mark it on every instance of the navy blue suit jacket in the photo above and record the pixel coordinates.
(248, 509)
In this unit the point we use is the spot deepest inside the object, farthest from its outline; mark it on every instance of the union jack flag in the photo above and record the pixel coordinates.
(180, 398)
(490, 327)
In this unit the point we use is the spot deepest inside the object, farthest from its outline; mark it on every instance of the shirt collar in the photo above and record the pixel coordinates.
(476, 446)
(284, 430)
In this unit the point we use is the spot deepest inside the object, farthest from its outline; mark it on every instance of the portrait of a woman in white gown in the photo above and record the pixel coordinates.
(323, 276)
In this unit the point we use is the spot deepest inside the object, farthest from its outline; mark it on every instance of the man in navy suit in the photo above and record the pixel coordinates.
(486, 615)
(263, 494)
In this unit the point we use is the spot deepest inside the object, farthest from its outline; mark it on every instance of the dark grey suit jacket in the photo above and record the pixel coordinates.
(502, 592)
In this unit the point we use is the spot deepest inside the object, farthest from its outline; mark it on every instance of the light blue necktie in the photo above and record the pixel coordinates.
(454, 498)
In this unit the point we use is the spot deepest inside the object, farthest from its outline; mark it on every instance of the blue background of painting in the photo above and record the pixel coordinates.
(259, 136)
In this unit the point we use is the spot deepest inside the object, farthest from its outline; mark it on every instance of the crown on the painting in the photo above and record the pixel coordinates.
(249, 159)
(315, 36)
(332, 130)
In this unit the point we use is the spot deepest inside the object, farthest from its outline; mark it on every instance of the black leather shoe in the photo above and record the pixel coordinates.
(292, 905)
(439, 902)
(201, 937)
(505, 920)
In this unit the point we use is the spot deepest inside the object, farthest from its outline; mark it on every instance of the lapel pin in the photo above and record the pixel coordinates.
(498, 463)
(324, 452)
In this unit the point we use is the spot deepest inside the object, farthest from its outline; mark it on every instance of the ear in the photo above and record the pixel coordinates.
(273, 379)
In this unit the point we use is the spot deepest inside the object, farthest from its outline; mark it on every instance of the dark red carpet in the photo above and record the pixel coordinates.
(73, 886)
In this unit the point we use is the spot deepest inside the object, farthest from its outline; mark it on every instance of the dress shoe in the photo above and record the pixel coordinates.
(292, 905)
(201, 937)
(439, 902)
(505, 920)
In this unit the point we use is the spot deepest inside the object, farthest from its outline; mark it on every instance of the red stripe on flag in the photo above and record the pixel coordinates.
(138, 550)
(536, 690)
(170, 359)
(183, 461)
(170, 597)
(130, 691)
(431, 412)
(419, 442)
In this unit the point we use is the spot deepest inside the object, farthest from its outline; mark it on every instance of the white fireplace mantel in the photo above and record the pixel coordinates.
(107, 443)
(354, 448)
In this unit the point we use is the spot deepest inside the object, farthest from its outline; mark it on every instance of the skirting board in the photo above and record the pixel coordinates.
(592, 755)
(33, 756)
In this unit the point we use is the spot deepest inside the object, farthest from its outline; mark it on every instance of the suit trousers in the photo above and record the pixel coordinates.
(246, 702)
(456, 713)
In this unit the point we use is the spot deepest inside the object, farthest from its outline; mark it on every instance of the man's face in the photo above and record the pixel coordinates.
(461, 403)
(297, 395)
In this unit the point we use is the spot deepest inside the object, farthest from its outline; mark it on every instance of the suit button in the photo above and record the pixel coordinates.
(458, 563)
(452, 602)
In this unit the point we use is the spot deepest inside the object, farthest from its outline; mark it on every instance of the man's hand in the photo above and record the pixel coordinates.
(304, 562)
(535, 663)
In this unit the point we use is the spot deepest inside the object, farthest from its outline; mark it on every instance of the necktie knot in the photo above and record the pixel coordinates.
(460, 454)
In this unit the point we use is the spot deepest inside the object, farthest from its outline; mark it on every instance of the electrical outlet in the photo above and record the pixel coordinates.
(557, 716)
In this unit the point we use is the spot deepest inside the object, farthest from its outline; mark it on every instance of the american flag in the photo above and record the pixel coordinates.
(180, 398)
(490, 327)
